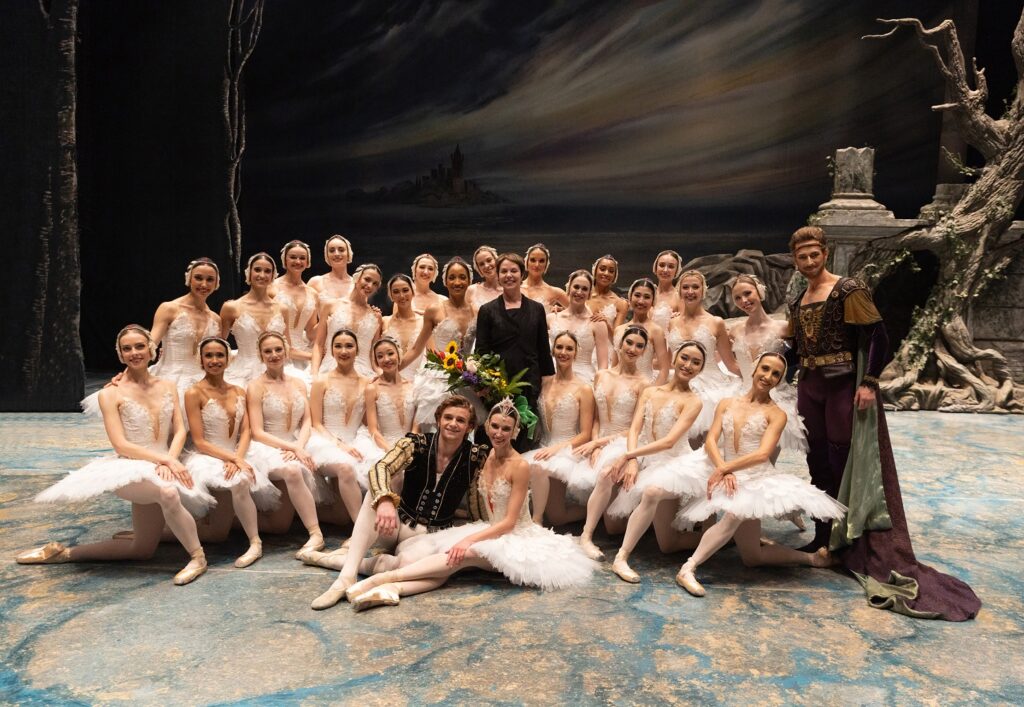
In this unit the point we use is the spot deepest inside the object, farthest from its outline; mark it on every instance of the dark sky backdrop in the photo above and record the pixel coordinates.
(687, 106)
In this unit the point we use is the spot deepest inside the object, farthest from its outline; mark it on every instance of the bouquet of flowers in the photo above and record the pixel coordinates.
(485, 375)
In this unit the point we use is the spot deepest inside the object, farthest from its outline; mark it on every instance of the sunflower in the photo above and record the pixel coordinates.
(452, 348)
(449, 361)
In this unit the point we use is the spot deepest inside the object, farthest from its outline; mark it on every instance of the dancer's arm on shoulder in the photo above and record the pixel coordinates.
(723, 345)
(229, 312)
(370, 411)
(602, 344)
(431, 318)
(657, 337)
(162, 319)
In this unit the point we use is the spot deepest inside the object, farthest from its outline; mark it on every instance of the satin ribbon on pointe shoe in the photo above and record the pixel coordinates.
(687, 581)
(621, 568)
(333, 595)
(193, 570)
(591, 550)
(52, 553)
(254, 553)
(384, 595)
(369, 583)
(315, 543)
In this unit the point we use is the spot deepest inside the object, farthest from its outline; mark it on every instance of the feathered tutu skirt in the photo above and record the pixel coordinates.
(794, 435)
(763, 492)
(683, 474)
(325, 451)
(271, 459)
(529, 555)
(558, 466)
(110, 473)
(584, 473)
(712, 386)
(209, 471)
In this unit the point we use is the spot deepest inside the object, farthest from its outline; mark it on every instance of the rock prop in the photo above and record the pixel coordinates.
(775, 271)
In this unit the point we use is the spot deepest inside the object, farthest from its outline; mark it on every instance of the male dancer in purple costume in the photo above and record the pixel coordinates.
(827, 322)
(831, 322)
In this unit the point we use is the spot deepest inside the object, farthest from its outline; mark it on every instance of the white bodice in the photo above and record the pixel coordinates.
(644, 364)
(365, 329)
(749, 440)
(298, 319)
(392, 422)
(217, 426)
(661, 315)
(496, 499)
(562, 421)
(247, 330)
(449, 330)
(139, 426)
(478, 296)
(338, 420)
(609, 312)
(658, 424)
(282, 418)
(747, 349)
(179, 361)
(616, 415)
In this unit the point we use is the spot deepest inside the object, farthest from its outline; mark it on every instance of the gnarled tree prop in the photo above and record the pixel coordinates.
(245, 19)
(938, 367)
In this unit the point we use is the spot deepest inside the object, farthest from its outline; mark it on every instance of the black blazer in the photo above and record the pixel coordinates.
(519, 337)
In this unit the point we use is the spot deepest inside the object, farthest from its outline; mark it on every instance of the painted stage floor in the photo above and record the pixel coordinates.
(122, 633)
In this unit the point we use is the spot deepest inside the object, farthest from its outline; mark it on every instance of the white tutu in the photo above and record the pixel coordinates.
(111, 473)
(271, 458)
(559, 466)
(763, 492)
(325, 451)
(209, 471)
(430, 387)
(529, 555)
(90, 405)
(584, 474)
(684, 475)
(794, 435)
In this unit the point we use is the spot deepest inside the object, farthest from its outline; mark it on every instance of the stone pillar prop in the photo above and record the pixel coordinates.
(852, 218)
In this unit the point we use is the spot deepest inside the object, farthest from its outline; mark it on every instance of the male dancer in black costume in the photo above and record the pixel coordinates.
(436, 471)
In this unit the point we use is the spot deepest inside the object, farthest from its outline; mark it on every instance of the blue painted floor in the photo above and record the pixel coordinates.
(122, 633)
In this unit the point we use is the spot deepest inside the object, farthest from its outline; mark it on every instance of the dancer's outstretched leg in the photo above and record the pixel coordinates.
(639, 521)
(598, 502)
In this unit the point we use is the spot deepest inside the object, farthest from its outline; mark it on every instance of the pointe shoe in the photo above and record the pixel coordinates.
(333, 595)
(590, 549)
(687, 581)
(621, 567)
(371, 582)
(192, 571)
(384, 595)
(315, 543)
(254, 553)
(52, 553)
(797, 519)
(823, 558)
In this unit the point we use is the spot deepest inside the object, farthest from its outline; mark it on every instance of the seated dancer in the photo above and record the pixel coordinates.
(424, 274)
(605, 303)
(451, 319)
(567, 416)
(355, 314)
(220, 437)
(747, 487)
(841, 342)
(337, 283)
(641, 299)
(658, 464)
(143, 422)
(508, 541)
(390, 399)
(538, 261)
(299, 300)
(485, 264)
(279, 420)
(340, 443)
(754, 335)
(591, 337)
(616, 392)
(249, 316)
(696, 323)
(667, 266)
(404, 325)
(435, 470)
